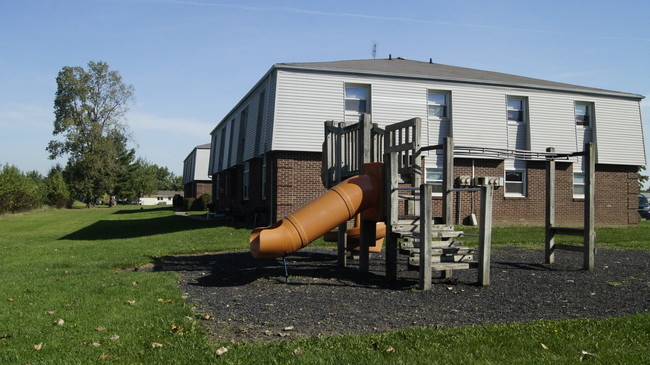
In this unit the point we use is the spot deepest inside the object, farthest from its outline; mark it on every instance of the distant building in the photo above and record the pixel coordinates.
(163, 197)
(196, 180)
(265, 154)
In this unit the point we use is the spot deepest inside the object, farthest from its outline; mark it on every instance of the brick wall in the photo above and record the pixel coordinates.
(197, 188)
(615, 196)
(297, 180)
(293, 180)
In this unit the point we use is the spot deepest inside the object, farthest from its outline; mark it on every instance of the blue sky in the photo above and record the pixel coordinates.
(191, 61)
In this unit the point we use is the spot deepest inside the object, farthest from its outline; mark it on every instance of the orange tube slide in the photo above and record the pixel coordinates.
(308, 223)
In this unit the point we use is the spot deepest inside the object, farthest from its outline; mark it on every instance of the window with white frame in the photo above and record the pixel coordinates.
(357, 98)
(516, 107)
(515, 183)
(579, 184)
(437, 104)
(583, 113)
(246, 180)
(434, 177)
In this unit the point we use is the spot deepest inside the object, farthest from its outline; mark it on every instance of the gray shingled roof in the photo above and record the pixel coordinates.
(400, 67)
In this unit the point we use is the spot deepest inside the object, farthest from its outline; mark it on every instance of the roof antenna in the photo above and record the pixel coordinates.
(390, 56)
(374, 50)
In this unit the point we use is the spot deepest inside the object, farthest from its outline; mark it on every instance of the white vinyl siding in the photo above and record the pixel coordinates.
(618, 132)
(299, 102)
(479, 117)
(551, 121)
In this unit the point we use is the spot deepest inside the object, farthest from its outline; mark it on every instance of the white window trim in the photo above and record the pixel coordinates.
(524, 110)
(368, 99)
(524, 182)
(447, 105)
(434, 182)
(584, 176)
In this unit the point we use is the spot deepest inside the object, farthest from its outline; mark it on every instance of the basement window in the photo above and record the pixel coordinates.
(579, 185)
(515, 183)
(434, 178)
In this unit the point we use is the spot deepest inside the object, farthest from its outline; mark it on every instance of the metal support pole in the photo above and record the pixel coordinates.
(448, 181)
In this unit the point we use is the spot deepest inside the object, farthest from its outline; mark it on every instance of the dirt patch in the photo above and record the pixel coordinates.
(250, 300)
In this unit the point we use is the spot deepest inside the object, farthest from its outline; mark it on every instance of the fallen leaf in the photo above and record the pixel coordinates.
(544, 346)
(49, 313)
(390, 349)
(59, 322)
(297, 352)
(221, 350)
(38, 347)
(105, 357)
(96, 344)
(156, 345)
(10, 299)
(585, 355)
(160, 300)
(135, 283)
(288, 328)
(176, 328)
(207, 317)
(100, 329)
(131, 302)
(115, 337)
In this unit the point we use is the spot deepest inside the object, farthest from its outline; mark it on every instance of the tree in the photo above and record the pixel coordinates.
(642, 178)
(17, 191)
(56, 191)
(89, 107)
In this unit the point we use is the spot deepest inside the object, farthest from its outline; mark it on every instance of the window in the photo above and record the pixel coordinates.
(434, 177)
(264, 177)
(357, 98)
(516, 109)
(246, 180)
(583, 113)
(437, 104)
(515, 183)
(578, 184)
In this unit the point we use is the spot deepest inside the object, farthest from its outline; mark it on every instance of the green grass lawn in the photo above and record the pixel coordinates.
(70, 265)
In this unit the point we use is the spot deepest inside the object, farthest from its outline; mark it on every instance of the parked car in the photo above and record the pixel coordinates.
(644, 206)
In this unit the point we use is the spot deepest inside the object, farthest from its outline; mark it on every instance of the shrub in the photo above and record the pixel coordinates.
(17, 191)
(177, 201)
(202, 202)
(56, 191)
(188, 203)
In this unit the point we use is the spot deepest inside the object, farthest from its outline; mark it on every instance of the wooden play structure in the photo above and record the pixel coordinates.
(377, 174)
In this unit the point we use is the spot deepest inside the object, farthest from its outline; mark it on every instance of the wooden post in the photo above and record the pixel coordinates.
(485, 235)
(425, 236)
(448, 181)
(590, 211)
(368, 228)
(390, 183)
(341, 242)
(549, 242)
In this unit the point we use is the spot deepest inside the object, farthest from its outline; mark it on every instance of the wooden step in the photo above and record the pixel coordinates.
(414, 264)
(445, 258)
(409, 244)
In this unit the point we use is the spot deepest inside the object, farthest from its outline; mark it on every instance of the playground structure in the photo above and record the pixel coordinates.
(375, 175)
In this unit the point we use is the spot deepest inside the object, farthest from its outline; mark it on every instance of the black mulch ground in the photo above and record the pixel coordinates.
(250, 300)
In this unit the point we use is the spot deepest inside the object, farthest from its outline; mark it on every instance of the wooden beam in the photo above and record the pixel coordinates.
(568, 231)
(390, 196)
(485, 235)
(448, 180)
(425, 236)
(590, 209)
(549, 241)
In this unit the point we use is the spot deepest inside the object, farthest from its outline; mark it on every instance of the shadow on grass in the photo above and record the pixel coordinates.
(134, 228)
(141, 209)
(308, 267)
